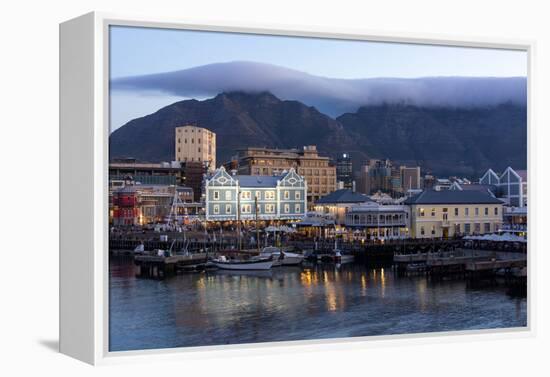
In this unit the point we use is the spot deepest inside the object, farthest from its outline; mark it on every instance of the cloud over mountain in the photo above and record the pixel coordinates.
(330, 95)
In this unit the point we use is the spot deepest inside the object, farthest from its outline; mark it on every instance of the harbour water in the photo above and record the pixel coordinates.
(295, 303)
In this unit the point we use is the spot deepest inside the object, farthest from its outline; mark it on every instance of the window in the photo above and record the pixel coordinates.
(421, 212)
(246, 208)
(433, 212)
(297, 195)
(287, 208)
(185, 140)
(456, 211)
(466, 211)
(496, 211)
(422, 230)
(228, 209)
(216, 209)
(487, 227)
(270, 195)
(457, 228)
(467, 228)
(270, 208)
(246, 195)
(286, 195)
(216, 195)
(477, 227)
(228, 195)
(486, 211)
(258, 195)
(297, 208)
(476, 211)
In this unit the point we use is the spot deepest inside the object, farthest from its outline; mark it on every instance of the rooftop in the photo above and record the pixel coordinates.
(453, 197)
(343, 196)
(257, 180)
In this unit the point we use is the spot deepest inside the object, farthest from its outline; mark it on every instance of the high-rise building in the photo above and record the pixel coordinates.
(196, 144)
(317, 170)
(376, 175)
(344, 171)
(410, 178)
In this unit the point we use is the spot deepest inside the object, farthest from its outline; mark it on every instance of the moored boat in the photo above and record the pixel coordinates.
(239, 264)
(140, 249)
(282, 258)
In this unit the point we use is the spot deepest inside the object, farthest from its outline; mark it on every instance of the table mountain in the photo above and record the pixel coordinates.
(445, 140)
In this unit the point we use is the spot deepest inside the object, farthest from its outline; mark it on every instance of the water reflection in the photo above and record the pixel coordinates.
(313, 302)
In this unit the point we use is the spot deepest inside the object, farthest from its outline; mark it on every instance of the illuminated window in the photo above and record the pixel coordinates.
(286, 195)
(297, 195)
(228, 195)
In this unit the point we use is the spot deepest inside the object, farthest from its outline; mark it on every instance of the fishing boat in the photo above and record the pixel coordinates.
(243, 265)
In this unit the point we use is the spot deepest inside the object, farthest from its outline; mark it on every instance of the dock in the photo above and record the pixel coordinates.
(157, 267)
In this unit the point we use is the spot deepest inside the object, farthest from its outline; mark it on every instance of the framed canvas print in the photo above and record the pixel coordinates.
(226, 187)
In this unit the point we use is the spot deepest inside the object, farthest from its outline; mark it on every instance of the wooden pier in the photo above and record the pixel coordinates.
(158, 267)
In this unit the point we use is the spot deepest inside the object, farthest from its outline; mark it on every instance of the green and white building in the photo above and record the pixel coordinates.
(281, 197)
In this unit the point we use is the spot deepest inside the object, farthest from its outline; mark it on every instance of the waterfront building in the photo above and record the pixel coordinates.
(337, 203)
(344, 171)
(317, 170)
(231, 197)
(175, 173)
(446, 213)
(442, 184)
(511, 185)
(515, 220)
(371, 220)
(196, 144)
(137, 204)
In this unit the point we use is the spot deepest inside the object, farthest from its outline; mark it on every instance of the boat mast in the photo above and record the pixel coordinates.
(257, 228)
(239, 218)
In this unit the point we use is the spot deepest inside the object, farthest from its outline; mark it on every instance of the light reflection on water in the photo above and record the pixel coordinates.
(293, 303)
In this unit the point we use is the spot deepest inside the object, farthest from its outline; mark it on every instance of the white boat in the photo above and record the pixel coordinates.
(243, 265)
(140, 249)
(281, 258)
(342, 258)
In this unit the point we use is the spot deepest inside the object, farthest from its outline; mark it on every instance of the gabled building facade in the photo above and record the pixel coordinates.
(232, 197)
(511, 185)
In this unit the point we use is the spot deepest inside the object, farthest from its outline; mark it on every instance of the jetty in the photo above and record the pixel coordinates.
(159, 267)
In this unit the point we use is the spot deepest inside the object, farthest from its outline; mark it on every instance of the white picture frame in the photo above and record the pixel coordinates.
(84, 131)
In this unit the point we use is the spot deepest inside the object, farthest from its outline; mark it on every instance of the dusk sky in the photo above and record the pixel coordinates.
(143, 51)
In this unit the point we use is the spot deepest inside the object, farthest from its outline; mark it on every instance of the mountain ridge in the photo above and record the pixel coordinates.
(444, 140)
